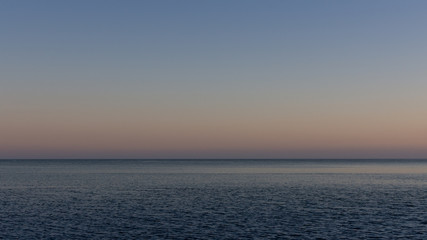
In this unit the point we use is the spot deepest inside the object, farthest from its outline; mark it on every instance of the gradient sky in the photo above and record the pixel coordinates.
(213, 79)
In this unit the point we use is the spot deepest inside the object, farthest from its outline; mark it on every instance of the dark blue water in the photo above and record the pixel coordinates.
(208, 199)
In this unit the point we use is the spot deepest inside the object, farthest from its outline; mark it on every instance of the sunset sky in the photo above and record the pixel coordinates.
(213, 79)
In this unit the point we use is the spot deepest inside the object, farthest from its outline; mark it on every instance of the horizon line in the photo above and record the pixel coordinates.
(213, 158)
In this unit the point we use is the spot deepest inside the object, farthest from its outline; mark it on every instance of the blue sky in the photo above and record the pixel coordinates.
(213, 78)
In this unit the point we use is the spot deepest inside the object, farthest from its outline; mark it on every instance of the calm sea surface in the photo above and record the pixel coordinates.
(213, 199)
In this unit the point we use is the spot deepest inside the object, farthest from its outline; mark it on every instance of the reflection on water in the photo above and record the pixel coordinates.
(205, 199)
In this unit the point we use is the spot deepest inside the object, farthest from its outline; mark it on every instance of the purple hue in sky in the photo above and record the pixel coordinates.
(213, 79)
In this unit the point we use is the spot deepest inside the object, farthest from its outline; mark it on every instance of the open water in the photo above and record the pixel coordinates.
(213, 199)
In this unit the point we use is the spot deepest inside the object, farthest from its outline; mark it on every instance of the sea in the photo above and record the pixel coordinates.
(213, 199)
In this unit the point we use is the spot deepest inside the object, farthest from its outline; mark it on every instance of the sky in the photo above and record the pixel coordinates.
(213, 79)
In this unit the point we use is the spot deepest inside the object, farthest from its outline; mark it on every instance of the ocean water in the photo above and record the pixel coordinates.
(213, 199)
